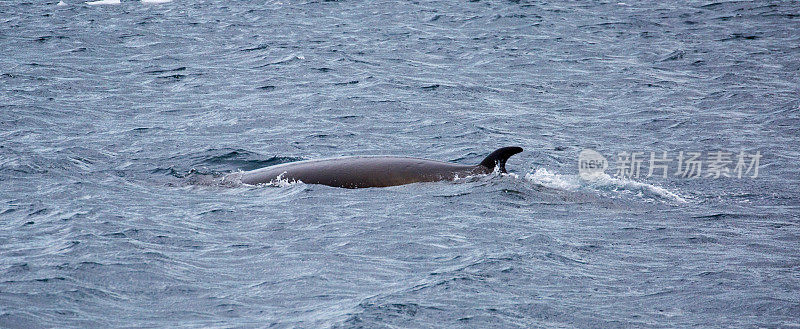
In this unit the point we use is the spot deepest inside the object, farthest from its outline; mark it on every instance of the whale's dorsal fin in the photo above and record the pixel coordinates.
(498, 158)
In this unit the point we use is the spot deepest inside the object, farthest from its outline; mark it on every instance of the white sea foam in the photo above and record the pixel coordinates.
(605, 180)
(280, 181)
(600, 181)
(545, 178)
(103, 2)
(234, 179)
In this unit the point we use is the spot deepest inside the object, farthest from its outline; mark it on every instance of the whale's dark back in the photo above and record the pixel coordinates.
(359, 172)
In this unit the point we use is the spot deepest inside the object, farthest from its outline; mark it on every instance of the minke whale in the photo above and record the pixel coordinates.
(372, 171)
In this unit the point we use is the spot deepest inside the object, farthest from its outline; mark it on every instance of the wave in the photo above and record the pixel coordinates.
(601, 183)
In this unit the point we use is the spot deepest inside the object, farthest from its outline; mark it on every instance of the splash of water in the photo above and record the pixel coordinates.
(600, 182)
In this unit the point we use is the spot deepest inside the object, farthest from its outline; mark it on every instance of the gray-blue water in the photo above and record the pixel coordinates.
(113, 117)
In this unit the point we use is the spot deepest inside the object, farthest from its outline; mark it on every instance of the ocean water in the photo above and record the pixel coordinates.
(116, 117)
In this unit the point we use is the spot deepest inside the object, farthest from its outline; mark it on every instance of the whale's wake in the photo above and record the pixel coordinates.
(604, 184)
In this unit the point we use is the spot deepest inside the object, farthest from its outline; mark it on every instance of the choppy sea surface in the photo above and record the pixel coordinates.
(114, 118)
